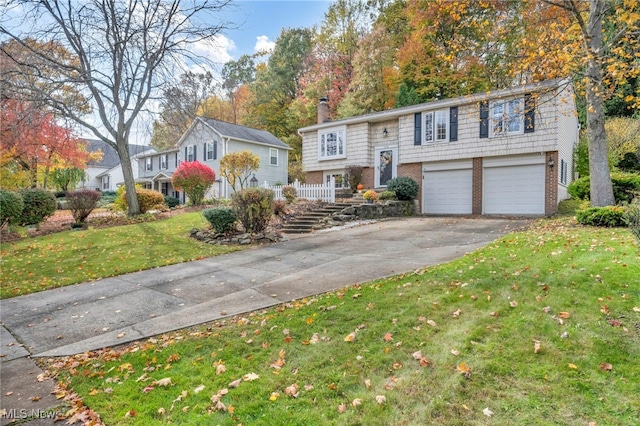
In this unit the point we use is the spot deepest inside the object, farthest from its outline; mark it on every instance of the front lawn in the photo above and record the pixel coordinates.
(71, 257)
(539, 327)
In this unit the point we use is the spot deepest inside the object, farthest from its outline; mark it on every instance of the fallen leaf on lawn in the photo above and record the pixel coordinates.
(513, 304)
(605, 366)
(381, 399)
(162, 411)
(487, 412)
(314, 339)
(564, 315)
(614, 323)
(575, 367)
(388, 337)
(231, 409)
(367, 383)
(342, 408)
(148, 389)
(250, 377)
(131, 413)
(464, 369)
(636, 309)
(220, 368)
(185, 409)
(455, 352)
(308, 387)
(432, 323)
(495, 314)
(536, 346)
(274, 396)
(163, 382)
(456, 313)
(220, 406)
(546, 309)
(198, 389)
(350, 337)
(292, 390)
(235, 383)
(356, 402)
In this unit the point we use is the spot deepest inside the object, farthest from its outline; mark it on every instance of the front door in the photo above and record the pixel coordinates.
(386, 165)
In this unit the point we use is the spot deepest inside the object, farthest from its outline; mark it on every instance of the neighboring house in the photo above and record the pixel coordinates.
(106, 174)
(503, 152)
(207, 141)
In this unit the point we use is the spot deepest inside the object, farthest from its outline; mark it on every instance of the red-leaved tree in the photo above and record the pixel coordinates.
(195, 179)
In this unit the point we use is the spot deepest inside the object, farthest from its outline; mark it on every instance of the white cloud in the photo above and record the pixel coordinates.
(264, 44)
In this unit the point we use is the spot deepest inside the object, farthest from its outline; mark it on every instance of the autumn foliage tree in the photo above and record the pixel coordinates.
(236, 167)
(195, 179)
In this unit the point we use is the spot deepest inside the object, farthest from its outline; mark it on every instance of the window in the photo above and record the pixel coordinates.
(164, 188)
(148, 164)
(191, 153)
(341, 179)
(331, 144)
(436, 126)
(209, 151)
(105, 182)
(507, 117)
(563, 172)
(164, 162)
(273, 156)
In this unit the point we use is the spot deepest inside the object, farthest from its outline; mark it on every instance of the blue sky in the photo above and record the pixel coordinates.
(261, 21)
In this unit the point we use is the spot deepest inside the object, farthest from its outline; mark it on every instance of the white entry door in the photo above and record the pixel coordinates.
(386, 165)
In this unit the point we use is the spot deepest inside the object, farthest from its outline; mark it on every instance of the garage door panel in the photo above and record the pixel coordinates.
(448, 191)
(514, 189)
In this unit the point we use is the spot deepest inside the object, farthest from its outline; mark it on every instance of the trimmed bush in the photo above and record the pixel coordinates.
(253, 208)
(148, 199)
(171, 202)
(11, 206)
(609, 216)
(220, 218)
(195, 179)
(626, 186)
(82, 202)
(289, 193)
(406, 189)
(632, 218)
(279, 207)
(38, 206)
(388, 195)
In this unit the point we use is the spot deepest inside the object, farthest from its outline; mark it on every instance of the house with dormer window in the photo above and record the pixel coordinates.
(207, 140)
(506, 152)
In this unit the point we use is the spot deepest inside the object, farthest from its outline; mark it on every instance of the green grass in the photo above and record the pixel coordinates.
(71, 257)
(485, 310)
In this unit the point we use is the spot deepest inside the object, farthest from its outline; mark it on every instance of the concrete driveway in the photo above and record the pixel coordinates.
(129, 307)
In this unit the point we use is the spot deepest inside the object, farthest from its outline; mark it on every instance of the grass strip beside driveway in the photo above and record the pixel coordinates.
(539, 327)
(70, 257)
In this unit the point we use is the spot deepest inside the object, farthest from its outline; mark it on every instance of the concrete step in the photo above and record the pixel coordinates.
(305, 222)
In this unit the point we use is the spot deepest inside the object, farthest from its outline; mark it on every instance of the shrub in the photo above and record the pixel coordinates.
(195, 179)
(171, 202)
(253, 208)
(220, 218)
(370, 195)
(11, 206)
(289, 193)
(148, 199)
(82, 202)
(354, 175)
(608, 216)
(388, 195)
(38, 206)
(108, 197)
(279, 207)
(632, 218)
(625, 187)
(406, 189)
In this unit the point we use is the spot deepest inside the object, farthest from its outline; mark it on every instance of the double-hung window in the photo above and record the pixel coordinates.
(191, 153)
(436, 126)
(209, 151)
(507, 117)
(148, 164)
(273, 156)
(164, 162)
(332, 144)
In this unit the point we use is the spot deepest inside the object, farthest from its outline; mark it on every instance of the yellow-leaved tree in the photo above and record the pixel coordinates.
(236, 167)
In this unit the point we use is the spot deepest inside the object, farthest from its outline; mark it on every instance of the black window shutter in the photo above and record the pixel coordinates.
(484, 119)
(529, 113)
(204, 150)
(176, 160)
(453, 123)
(417, 129)
(195, 152)
(185, 154)
(215, 150)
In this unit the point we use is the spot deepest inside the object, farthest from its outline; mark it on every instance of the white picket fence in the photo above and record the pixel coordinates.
(325, 192)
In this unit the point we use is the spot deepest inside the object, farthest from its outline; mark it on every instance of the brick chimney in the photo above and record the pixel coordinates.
(323, 110)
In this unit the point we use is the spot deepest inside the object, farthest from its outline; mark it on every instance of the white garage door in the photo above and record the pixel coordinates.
(513, 189)
(447, 191)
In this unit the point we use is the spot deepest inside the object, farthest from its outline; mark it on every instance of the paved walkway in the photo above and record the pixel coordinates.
(134, 306)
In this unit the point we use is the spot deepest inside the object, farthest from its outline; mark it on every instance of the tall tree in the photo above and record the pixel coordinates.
(124, 53)
(179, 106)
(236, 75)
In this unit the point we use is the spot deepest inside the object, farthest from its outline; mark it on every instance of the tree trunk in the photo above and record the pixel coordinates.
(599, 173)
(129, 181)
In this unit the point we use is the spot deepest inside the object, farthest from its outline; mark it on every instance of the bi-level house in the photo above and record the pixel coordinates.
(207, 140)
(507, 152)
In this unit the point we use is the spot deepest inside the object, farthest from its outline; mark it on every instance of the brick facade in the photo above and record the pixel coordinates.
(551, 184)
(476, 203)
(414, 171)
(314, 178)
